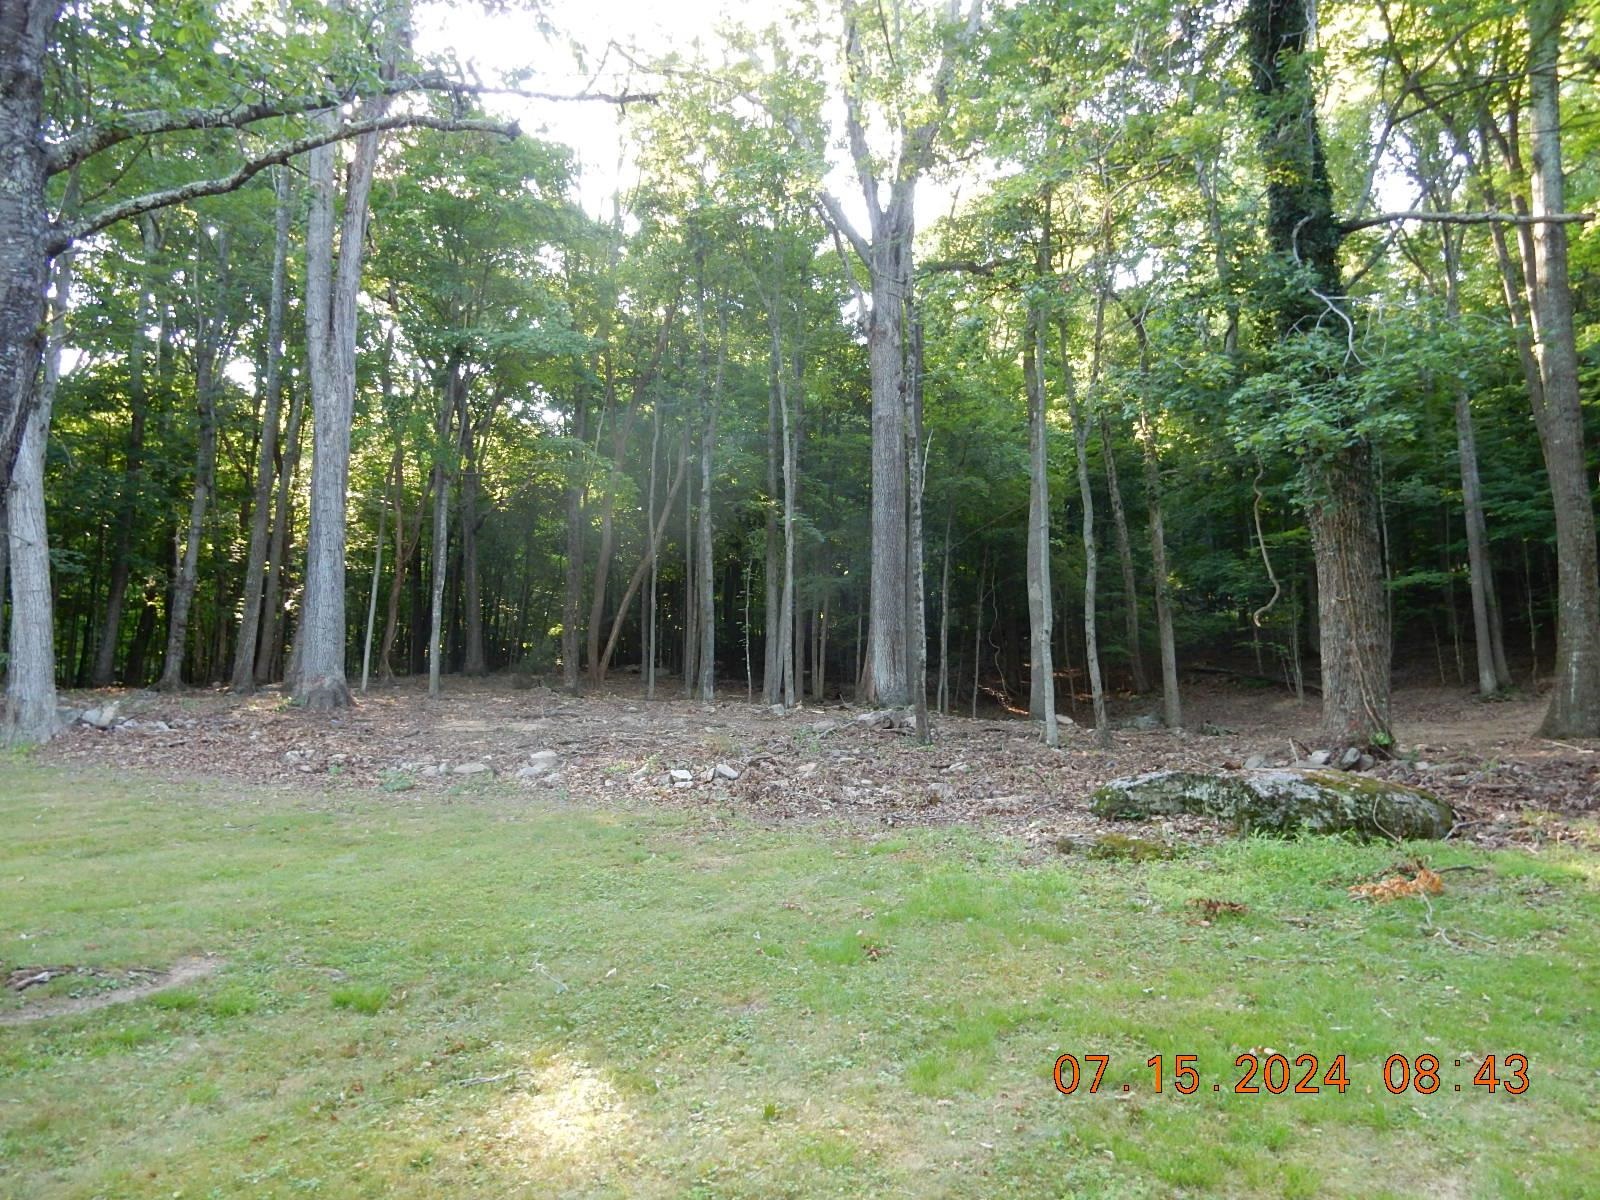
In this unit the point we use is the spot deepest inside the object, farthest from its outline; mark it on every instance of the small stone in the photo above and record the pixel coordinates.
(1254, 763)
(540, 762)
(778, 710)
(724, 771)
(1145, 721)
(683, 783)
(433, 769)
(708, 775)
(1319, 758)
(1350, 759)
(471, 768)
(101, 718)
(1367, 763)
(681, 777)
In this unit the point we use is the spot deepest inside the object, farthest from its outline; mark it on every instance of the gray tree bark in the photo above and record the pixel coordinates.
(104, 668)
(1575, 701)
(30, 668)
(270, 641)
(244, 654)
(208, 349)
(25, 28)
(1041, 620)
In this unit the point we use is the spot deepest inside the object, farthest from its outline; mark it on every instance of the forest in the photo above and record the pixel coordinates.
(1225, 343)
(862, 598)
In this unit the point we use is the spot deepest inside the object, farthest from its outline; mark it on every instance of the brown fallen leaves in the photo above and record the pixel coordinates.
(1415, 879)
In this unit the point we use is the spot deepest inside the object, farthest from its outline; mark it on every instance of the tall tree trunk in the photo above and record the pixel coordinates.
(1354, 614)
(1575, 700)
(691, 605)
(244, 655)
(1171, 701)
(270, 641)
(449, 406)
(372, 600)
(471, 592)
(916, 608)
(890, 270)
(331, 294)
(648, 560)
(31, 665)
(774, 620)
(707, 596)
(572, 592)
(208, 350)
(25, 30)
(790, 690)
(1130, 584)
(655, 552)
(1091, 557)
(1041, 621)
(944, 617)
(1341, 483)
(104, 669)
(405, 546)
(1493, 675)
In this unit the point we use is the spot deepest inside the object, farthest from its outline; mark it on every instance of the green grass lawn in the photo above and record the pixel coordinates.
(502, 996)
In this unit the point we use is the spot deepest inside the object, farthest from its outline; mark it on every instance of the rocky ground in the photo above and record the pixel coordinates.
(1507, 784)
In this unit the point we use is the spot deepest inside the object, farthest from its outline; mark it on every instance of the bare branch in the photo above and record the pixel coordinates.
(1470, 218)
(64, 234)
(833, 212)
(122, 127)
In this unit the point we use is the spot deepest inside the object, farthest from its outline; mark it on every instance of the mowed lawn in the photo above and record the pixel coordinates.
(503, 995)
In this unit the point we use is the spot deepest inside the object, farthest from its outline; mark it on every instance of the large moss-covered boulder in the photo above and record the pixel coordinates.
(1281, 801)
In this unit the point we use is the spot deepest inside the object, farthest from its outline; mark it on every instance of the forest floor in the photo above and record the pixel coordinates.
(487, 945)
(830, 762)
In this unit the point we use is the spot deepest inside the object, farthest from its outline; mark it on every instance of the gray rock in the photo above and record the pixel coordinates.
(68, 716)
(1350, 759)
(1319, 758)
(540, 762)
(724, 771)
(1281, 802)
(103, 717)
(470, 768)
(681, 776)
(1255, 762)
(1145, 721)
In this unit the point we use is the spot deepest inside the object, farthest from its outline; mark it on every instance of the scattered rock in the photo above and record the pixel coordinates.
(1280, 801)
(681, 777)
(469, 768)
(1319, 758)
(103, 717)
(724, 771)
(540, 762)
(1255, 762)
(1144, 721)
(1350, 759)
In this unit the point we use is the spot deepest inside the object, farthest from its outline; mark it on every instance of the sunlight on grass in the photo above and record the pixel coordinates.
(500, 998)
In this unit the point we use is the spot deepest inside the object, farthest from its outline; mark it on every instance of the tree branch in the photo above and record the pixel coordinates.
(833, 211)
(1470, 218)
(64, 234)
(121, 128)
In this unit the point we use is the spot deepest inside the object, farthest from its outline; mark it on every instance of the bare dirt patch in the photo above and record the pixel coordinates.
(123, 986)
(1507, 784)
